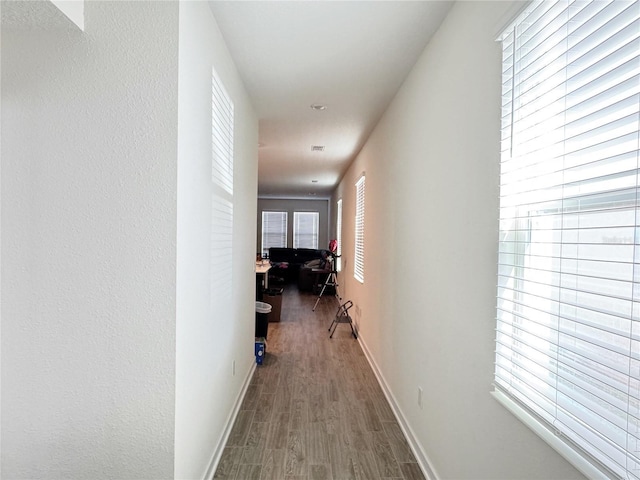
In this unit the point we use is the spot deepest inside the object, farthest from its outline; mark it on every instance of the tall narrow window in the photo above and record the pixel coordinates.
(568, 311)
(305, 229)
(358, 262)
(222, 133)
(338, 264)
(221, 198)
(274, 231)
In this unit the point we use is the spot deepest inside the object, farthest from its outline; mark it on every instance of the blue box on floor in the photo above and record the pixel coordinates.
(260, 349)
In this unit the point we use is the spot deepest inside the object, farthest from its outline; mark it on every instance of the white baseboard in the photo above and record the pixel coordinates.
(217, 453)
(423, 460)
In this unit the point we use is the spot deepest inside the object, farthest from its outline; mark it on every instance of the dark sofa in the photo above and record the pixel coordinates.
(286, 262)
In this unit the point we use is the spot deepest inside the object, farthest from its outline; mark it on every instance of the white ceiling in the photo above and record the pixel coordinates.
(350, 56)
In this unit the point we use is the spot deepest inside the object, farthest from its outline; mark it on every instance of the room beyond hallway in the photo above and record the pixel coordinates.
(314, 409)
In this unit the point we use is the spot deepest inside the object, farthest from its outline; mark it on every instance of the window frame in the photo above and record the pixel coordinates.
(222, 135)
(281, 233)
(338, 263)
(358, 257)
(565, 312)
(222, 197)
(297, 223)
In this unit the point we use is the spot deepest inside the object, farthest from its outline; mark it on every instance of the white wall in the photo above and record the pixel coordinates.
(208, 341)
(89, 141)
(427, 304)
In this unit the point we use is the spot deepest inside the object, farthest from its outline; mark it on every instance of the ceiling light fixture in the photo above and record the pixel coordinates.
(318, 107)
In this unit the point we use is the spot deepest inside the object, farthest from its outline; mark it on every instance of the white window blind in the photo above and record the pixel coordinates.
(274, 230)
(358, 262)
(305, 229)
(568, 308)
(338, 265)
(221, 199)
(222, 136)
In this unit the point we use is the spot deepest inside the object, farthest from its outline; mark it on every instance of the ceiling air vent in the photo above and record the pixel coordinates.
(317, 148)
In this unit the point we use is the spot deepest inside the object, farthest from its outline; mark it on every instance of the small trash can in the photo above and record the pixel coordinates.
(262, 322)
(273, 296)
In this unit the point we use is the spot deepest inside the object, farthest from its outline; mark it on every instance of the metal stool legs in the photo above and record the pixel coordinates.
(342, 316)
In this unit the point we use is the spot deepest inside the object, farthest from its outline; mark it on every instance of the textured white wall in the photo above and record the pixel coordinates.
(89, 141)
(208, 342)
(427, 305)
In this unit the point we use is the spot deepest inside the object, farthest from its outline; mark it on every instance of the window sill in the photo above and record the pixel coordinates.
(580, 462)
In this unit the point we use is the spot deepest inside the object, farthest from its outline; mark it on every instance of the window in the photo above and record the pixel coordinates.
(568, 311)
(305, 229)
(222, 198)
(222, 136)
(358, 263)
(338, 265)
(274, 231)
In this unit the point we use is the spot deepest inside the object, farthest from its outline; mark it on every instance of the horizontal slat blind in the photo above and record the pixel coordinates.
(339, 235)
(221, 271)
(274, 230)
(222, 136)
(568, 309)
(305, 229)
(358, 264)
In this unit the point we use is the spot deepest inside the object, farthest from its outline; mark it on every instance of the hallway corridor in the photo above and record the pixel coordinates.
(314, 410)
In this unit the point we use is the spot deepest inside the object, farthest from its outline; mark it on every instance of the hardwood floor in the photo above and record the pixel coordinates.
(314, 410)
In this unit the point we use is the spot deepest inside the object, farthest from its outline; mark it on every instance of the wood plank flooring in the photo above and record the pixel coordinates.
(314, 410)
